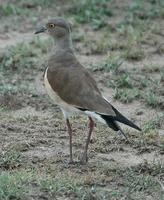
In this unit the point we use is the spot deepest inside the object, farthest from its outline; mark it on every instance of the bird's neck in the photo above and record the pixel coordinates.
(63, 43)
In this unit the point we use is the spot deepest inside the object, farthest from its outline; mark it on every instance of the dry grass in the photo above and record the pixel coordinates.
(34, 143)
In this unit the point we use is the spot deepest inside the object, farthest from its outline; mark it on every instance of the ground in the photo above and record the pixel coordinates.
(121, 43)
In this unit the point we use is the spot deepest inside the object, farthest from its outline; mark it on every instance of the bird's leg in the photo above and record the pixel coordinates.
(70, 139)
(84, 158)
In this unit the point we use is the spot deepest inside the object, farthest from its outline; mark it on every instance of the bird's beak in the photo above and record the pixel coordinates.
(41, 30)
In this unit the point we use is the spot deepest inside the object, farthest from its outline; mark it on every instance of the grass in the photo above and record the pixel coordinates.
(96, 45)
(101, 178)
(61, 185)
(16, 60)
(126, 95)
(153, 124)
(140, 179)
(134, 54)
(148, 140)
(89, 185)
(130, 85)
(35, 3)
(136, 182)
(76, 189)
(13, 184)
(10, 160)
(132, 179)
(150, 68)
(19, 57)
(68, 185)
(24, 55)
(22, 7)
(78, 36)
(138, 28)
(153, 100)
(2, 109)
(111, 64)
(122, 81)
(11, 9)
(97, 180)
(10, 89)
(91, 11)
(146, 9)
(43, 44)
(133, 37)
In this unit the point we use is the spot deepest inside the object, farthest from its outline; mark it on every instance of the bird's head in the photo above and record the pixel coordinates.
(57, 28)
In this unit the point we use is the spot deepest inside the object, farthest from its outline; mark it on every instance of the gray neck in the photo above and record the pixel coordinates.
(63, 43)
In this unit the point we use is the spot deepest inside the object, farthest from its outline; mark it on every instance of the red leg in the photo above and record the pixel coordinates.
(70, 139)
(84, 158)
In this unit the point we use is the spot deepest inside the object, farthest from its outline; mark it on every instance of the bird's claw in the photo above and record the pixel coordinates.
(83, 160)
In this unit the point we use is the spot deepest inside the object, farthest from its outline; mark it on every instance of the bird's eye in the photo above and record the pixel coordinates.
(51, 25)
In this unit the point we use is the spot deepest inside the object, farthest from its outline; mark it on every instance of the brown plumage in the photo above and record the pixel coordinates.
(73, 88)
(75, 85)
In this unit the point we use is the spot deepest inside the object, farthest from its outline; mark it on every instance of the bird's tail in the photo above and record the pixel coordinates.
(112, 121)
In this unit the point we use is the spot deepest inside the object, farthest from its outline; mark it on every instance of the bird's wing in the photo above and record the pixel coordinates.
(75, 85)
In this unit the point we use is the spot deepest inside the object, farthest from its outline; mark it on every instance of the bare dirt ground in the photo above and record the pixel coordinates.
(34, 142)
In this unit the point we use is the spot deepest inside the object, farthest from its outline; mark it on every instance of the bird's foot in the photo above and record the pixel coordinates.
(84, 159)
(71, 162)
(67, 163)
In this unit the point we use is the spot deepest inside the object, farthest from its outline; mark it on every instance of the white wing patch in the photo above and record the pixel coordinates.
(95, 115)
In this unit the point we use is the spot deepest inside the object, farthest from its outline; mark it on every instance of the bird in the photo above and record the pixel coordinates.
(72, 87)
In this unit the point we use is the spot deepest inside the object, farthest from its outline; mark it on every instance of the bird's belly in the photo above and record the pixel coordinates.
(65, 107)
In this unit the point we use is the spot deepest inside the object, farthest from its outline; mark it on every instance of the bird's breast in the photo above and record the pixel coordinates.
(53, 95)
(56, 98)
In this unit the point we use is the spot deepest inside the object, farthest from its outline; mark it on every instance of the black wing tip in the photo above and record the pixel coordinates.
(132, 125)
(119, 117)
(111, 119)
(138, 128)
